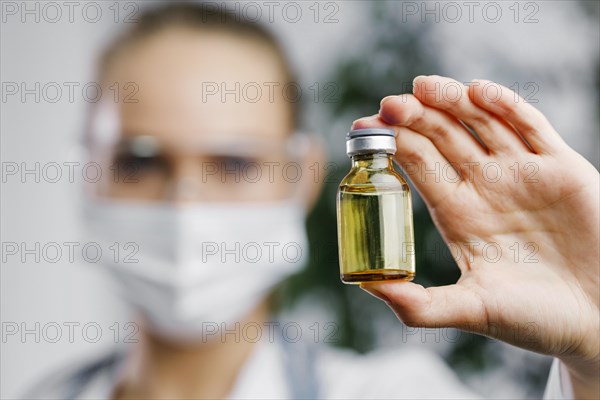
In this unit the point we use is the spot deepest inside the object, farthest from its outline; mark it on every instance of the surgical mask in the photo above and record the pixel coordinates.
(186, 268)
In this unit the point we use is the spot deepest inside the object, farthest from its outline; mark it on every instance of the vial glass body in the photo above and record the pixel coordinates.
(375, 222)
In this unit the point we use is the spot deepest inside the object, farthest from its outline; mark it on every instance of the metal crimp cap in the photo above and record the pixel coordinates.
(369, 141)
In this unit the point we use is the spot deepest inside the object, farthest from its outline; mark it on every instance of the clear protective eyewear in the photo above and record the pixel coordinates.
(224, 168)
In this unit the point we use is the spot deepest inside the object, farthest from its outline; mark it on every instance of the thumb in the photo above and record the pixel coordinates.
(435, 307)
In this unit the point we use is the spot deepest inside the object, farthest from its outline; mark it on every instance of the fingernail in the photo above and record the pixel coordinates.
(363, 119)
(375, 293)
(386, 98)
(414, 83)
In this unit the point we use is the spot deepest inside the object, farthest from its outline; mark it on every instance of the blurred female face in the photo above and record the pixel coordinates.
(197, 129)
(194, 136)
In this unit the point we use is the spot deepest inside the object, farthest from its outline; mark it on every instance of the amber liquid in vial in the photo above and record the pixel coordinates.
(375, 228)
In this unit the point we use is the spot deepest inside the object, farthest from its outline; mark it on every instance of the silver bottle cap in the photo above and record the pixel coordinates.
(369, 141)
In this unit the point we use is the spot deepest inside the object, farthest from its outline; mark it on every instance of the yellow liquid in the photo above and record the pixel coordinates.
(375, 234)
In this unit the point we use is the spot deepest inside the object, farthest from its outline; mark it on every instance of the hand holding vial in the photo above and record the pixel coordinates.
(556, 211)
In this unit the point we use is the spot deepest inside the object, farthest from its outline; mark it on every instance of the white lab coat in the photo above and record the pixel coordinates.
(329, 373)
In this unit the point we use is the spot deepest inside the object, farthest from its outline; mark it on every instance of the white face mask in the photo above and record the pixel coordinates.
(205, 264)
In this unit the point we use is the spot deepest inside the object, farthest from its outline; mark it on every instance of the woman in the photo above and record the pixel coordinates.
(177, 147)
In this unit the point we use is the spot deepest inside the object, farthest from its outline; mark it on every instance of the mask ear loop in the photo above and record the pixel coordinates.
(298, 145)
(103, 133)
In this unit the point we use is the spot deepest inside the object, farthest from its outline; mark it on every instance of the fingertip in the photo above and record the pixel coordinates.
(384, 106)
(385, 99)
(364, 122)
(393, 290)
(375, 292)
(418, 78)
(406, 299)
(415, 83)
(374, 121)
(391, 113)
(426, 88)
(399, 110)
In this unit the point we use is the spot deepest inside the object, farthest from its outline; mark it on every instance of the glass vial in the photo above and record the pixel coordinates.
(374, 212)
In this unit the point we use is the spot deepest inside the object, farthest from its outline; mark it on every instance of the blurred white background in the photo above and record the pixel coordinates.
(559, 53)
